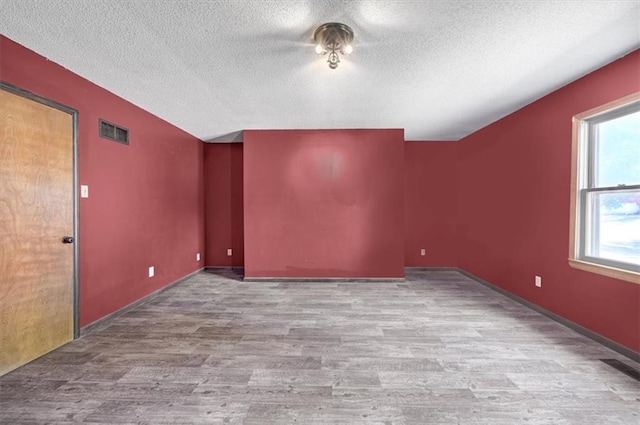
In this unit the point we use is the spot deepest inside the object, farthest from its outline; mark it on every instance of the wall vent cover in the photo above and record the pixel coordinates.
(113, 132)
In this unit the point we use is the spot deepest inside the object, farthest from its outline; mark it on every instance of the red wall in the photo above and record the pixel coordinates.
(323, 203)
(146, 204)
(513, 207)
(430, 204)
(223, 204)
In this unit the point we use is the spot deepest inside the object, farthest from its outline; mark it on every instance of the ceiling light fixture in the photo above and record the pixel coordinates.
(332, 38)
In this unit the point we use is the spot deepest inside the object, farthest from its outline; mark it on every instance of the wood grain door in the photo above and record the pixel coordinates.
(36, 212)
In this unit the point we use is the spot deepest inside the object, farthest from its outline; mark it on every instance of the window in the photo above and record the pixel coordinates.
(605, 198)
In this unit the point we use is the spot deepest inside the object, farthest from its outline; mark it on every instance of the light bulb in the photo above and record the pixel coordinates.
(333, 60)
(319, 49)
(348, 49)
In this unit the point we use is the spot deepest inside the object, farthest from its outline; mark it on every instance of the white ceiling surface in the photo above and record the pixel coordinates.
(439, 69)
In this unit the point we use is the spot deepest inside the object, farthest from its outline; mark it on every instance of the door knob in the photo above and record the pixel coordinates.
(67, 239)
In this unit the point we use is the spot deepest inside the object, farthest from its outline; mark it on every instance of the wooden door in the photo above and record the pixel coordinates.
(36, 212)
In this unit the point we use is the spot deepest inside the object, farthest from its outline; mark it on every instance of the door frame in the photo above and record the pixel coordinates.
(76, 228)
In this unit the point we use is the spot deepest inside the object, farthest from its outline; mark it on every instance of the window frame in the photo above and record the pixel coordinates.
(582, 183)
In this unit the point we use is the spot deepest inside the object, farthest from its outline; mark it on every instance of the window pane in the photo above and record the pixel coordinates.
(613, 229)
(618, 151)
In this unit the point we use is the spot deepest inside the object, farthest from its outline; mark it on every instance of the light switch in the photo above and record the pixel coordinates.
(229, 252)
(84, 191)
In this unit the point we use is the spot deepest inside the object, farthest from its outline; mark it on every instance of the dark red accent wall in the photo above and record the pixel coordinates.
(146, 200)
(324, 203)
(513, 207)
(223, 204)
(430, 204)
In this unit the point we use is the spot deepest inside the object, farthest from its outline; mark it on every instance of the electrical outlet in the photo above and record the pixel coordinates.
(229, 252)
(538, 282)
(423, 252)
(152, 271)
(198, 256)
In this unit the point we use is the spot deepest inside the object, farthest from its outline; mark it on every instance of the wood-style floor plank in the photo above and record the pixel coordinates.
(437, 348)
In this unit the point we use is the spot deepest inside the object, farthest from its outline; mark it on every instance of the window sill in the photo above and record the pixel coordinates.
(621, 274)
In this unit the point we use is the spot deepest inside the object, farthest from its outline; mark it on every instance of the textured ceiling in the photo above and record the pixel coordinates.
(438, 69)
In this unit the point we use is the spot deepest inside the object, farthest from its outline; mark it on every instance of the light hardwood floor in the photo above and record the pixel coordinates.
(437, 349)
